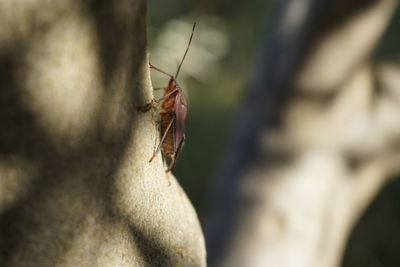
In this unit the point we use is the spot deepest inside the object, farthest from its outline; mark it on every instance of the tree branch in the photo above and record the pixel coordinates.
(76, 187)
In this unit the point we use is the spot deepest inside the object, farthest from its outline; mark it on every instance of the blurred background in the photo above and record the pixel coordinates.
(214, 77)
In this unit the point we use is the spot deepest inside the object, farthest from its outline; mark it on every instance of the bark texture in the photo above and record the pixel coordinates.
(76, 187)
(315, 140)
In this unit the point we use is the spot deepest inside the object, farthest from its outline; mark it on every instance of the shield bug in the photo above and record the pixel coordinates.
(172, 115)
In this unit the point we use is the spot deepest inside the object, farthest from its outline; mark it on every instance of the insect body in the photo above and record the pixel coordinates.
(173, 115)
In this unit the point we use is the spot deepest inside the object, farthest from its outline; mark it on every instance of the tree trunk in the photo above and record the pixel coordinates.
(76, 187)
(314, 142)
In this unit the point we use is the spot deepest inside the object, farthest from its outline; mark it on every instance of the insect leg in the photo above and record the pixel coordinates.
(167, 95)
(148, 106)
(160, 70)
(162, 140)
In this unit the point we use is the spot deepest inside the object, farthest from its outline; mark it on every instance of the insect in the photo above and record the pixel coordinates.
(173, 115)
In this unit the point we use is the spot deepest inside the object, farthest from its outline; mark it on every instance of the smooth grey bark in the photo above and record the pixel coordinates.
(315, 140)
(76, 187)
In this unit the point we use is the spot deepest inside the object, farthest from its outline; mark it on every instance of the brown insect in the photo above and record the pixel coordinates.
(173, 115)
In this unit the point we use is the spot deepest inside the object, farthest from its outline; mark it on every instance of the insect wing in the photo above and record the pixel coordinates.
(180, 145)
(180, 114)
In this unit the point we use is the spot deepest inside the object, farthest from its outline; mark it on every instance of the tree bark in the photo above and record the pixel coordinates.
(316, 139)
(76, 187)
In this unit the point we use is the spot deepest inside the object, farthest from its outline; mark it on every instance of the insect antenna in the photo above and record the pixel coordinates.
(184, 55)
